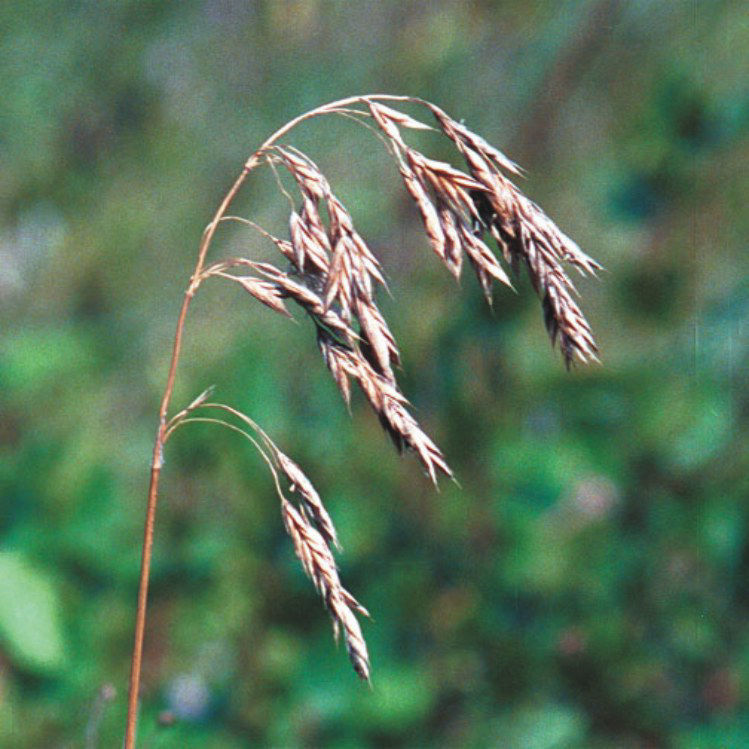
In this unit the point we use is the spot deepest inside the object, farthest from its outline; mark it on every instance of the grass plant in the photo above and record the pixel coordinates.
(329, 271)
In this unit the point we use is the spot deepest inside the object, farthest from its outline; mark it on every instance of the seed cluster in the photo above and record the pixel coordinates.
(333, 275)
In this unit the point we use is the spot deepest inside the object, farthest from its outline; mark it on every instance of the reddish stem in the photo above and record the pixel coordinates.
(157, 462)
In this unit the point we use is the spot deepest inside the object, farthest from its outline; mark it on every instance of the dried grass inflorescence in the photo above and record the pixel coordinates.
(332, 274)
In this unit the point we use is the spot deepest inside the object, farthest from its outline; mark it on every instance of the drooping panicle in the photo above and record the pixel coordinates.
(457, 209)
(334, 276)
(317, 560)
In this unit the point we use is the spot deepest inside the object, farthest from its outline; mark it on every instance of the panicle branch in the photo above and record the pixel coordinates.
(308, 523)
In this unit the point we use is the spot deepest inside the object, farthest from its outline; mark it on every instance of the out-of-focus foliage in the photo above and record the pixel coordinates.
(586, 585)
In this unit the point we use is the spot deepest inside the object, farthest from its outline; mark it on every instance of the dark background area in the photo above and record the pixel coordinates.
(586, 585)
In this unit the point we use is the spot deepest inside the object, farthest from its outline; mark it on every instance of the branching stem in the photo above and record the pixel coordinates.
(457, 210)
(157, 460)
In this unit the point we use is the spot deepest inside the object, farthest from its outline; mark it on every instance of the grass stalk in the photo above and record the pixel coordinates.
(333, 276)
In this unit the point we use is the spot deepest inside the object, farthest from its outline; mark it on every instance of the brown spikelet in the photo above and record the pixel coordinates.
(304, 290)
(453, 239)
(285, 247)
(317, 561)
(441, 174)
(353, 266)
(305, 172)
(432, 223)
(309, 252)
(314, 226)
(484, 262)
(377, 342)
(382, 115)
(388, 403)
(390, 119)
(345, 279)
(311, 501)
(465, 139)
(265, 292)
(335, 363)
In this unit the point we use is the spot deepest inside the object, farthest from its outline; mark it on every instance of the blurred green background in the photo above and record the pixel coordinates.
(585, 586)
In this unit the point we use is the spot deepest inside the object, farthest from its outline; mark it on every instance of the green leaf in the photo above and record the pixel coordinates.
(30, 616)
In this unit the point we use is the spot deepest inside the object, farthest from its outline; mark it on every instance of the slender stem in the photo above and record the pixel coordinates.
(156, 464)
(161, 432)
